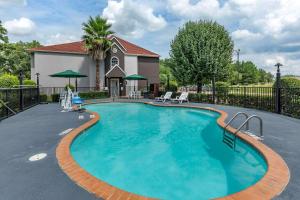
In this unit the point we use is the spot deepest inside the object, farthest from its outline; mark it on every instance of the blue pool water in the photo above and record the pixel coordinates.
(167, 153)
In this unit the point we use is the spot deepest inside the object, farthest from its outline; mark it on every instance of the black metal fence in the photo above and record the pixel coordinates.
(57, 90)
(262, 98)
(17, 100)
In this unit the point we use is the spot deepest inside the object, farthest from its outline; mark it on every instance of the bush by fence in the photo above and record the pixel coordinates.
(84, 95)
(93, 95)
(262, 98)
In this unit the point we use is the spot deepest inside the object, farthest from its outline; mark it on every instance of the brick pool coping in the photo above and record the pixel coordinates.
(269, 186)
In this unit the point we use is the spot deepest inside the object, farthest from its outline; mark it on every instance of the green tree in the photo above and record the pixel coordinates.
(199, 51)
(167, 80)
(246, 72)
(249, 72)
(234, 77)
(3, 34)
(96, 32)
(15, 57)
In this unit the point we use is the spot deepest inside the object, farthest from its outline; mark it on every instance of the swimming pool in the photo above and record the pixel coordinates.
(167, 153)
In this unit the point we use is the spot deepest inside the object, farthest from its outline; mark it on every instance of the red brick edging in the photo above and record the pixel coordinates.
(271, 185)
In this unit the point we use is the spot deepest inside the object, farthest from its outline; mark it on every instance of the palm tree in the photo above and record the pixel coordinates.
(96, 32)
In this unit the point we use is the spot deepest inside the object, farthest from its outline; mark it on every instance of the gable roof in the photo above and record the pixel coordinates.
(116, 71)
(78, 48)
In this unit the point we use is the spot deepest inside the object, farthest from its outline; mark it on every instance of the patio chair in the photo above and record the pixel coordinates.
(182, 98)
(62, 96)
(164, 98)
(131, 95)
(138, 94)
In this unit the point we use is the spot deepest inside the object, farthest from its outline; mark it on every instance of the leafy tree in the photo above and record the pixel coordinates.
(167, 80)
(247, 72)
(15, 57)
(199, 51)
(96, 32)
(3, 34)
(235, 77)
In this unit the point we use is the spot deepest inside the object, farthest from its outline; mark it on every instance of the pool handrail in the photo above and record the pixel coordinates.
(247, 122)
(237, 114)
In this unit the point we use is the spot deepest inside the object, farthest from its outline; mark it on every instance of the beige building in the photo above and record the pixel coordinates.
(123, 59)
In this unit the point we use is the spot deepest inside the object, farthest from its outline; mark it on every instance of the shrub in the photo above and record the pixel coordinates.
(93, 95)
(8, 81)
(43, 98)
(29, 82)
(200, 97)
(222, 84)
(173, 86)
(55, 97)
(70, 86)
(289, 82)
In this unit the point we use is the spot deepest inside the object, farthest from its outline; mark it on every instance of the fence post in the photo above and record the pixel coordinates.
(6, 100)
(214, 89)
(278, 89)
(21, 76)
(38, 86)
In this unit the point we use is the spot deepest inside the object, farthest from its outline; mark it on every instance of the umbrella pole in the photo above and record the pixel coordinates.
(69, 82)
(147, 86)
(76, 84)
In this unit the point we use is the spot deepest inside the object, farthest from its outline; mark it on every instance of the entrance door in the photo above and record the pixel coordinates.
(114, 87)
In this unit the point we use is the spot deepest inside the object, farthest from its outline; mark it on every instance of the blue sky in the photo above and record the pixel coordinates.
(266, 31)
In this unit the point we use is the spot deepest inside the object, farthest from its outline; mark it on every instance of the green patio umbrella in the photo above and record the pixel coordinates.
(68, 74)
(136, 77)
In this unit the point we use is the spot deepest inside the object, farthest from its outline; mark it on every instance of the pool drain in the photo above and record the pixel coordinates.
(37, 157)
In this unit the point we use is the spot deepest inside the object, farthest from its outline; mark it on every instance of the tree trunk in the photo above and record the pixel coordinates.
(97, 74)
(199, 86)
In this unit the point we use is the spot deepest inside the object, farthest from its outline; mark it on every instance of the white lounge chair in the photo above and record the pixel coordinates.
(131, 95)
(164, 98)
(138, 94)
(182, 98)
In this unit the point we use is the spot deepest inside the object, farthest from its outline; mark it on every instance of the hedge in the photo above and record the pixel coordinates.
(55, 97)
(83, 95)
(288, 82)
(93, 95)
(259, 102)
(43, 98)
(8, 81)
(29, 82)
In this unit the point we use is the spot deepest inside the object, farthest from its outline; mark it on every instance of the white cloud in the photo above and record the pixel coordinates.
(245, 34)
(203, 8)
(13, 2)
(22, 26)
(59, 38)
(265, 31)
(132, 18)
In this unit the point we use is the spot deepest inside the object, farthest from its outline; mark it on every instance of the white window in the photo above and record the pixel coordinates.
(114, 61)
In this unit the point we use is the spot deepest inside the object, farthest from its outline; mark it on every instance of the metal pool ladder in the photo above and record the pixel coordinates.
(230, 138)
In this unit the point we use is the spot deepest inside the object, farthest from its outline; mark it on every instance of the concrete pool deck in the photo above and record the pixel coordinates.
(25, 134)
(36, 130)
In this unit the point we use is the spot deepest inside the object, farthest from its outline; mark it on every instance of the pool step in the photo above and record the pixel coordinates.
(229, 140)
